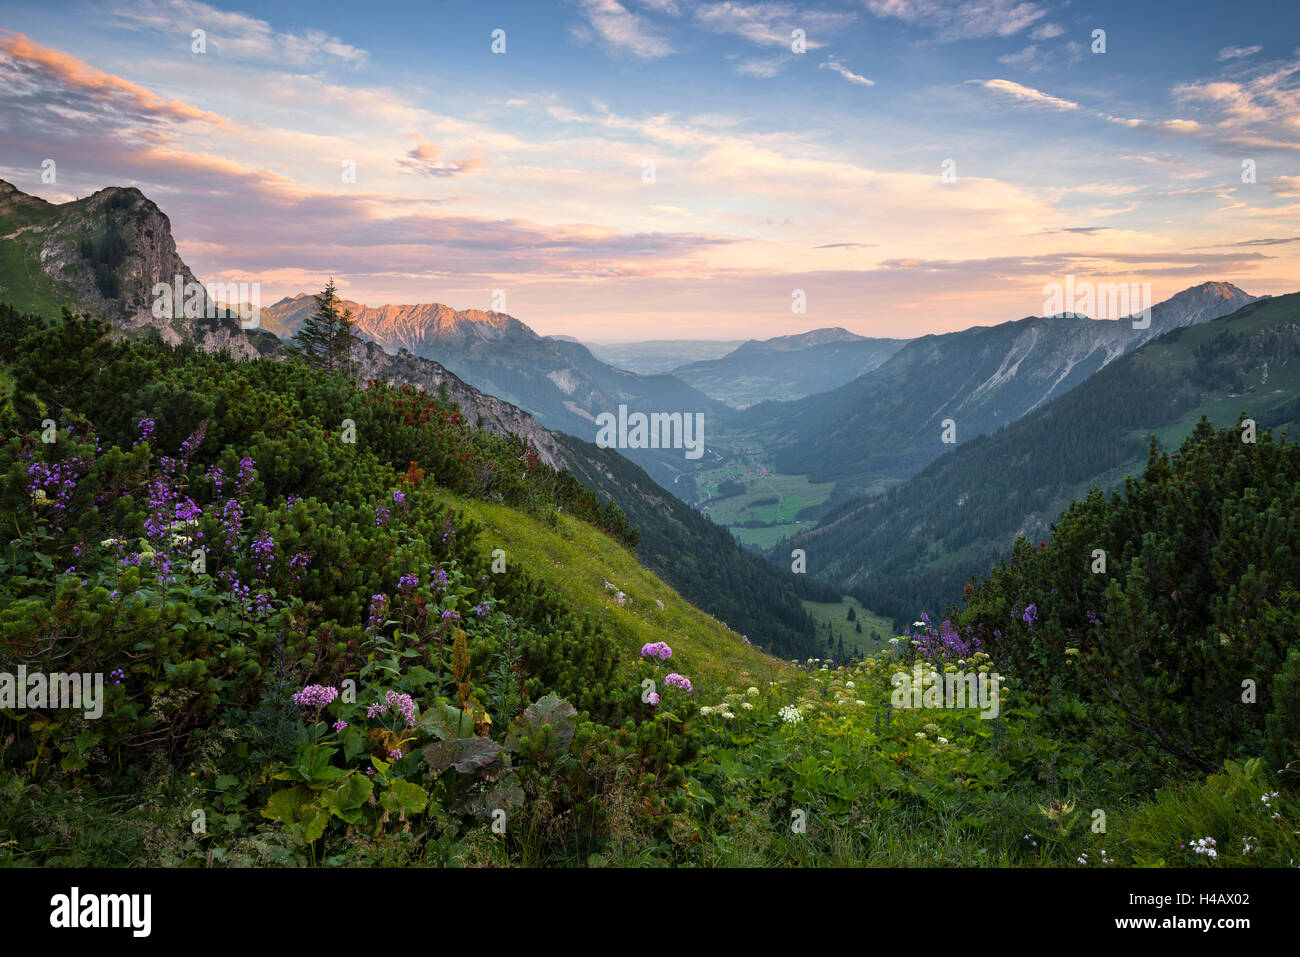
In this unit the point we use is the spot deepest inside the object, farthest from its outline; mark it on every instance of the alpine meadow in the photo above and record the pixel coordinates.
(650, 434)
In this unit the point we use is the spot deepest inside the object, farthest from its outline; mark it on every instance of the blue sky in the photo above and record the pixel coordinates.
(774, 170)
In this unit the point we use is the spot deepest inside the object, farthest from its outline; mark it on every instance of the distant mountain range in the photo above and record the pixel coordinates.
(654, 356)
(788, 367)
(912, 548)
(885, 426)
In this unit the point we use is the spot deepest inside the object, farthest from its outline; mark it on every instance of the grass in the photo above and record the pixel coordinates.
(578, 560)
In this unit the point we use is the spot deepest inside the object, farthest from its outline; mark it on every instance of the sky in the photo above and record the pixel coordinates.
(649, 169)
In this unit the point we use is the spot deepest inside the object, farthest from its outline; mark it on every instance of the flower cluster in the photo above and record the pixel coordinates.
(790, 714)
(378, 612)
(675, 680)
(402, 705)
(656, 649)
(145, 428)
(1206, 846)
(315, 696)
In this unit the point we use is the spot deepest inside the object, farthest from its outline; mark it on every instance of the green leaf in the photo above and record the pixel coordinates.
(464, 754)
(404, 797)
(285, 805)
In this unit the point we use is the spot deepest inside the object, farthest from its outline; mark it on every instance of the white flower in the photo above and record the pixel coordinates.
(860, 703)
(747, 706)
(942, 740)
(751, 691)
(920, 734)
(790, 714)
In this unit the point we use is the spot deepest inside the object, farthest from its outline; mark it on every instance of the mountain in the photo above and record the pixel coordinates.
(788, 367)
(912, 548)
(658, 355)
(696, 557)
(558, 381)
(886, 425)
(105, 254)
(797, 342)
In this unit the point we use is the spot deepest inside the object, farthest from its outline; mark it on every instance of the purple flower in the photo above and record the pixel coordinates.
(450, 615)
(656, 649)
(315, 696)
(1092, 618)
(145, 428)
(381, 516)
(1030, 615)
(264, 552)
(402, 704)
(653, 698)
(399, 498)
(340, 724)
(482, 608)
(675, 680)
(395, 754)
(378, 612)
(408, 582)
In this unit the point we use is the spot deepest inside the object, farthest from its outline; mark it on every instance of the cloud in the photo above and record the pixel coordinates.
(25, 57)
(846, 73)
(1236, 53)
(769, 24)
(426, 158)
(236, 35)
(1046, 32)
(762, 69)
(1027, 94)
(620, 30)
(964, 19)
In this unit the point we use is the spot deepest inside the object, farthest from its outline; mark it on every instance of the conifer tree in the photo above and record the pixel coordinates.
(327, 337)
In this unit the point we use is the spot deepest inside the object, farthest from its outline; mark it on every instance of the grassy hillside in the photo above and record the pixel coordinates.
(578, 560)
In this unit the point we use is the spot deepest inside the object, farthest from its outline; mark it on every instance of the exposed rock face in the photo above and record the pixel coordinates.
(410, 327)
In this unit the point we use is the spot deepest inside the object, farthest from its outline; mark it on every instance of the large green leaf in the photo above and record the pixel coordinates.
(466, 755)
(285, 805)
(404, 797)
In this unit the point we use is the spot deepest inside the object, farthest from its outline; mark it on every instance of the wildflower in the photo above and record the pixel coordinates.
(408, 582)
(920, 734)
(404, 705)
(653, 698)
(751, 691)
(399, 498)
(145, 428)
(378, 612)
(790, 714)
(1030, 615)
(656, 649)
(315, 696)
(675, 680)
(340, 724)
(395, 754)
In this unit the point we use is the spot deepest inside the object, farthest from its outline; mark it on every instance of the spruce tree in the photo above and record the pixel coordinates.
(320, 332)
